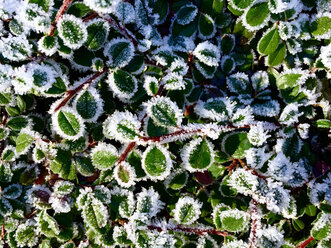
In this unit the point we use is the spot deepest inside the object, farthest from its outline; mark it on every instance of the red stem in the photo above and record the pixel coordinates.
(58, 16)
(73, 92)
(181, 228)
(121, 29)
(254, 225)
(126, 152)
(305, 243)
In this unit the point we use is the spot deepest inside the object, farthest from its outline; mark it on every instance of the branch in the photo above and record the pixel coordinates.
(255, 223)
(73, 92)
(305, 243)
(58, 16)
(126, 152)
(121, 29)
(180, 228)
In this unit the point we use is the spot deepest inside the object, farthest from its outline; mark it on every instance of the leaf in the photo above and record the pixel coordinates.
(199, 155)
(322, 226)
(119, 51)
(72, 31)
(23, 142)
(86, 105)
(84, 166)
(323, 124)
(48, 225)
(12, 192)
(269, 42)
(97, 33)
(320, 26)
(178, 180)
(78, 9)
(186, 14)
(5, 207)
(69, 124)
(234, 220)
(257, 14)
(95, 213)
(164, 112)
(206, 26)
(288, 80)
(227, 43)
(17, 123)
(156, 162)
(187, 210)
(277, 56)
(123, 84)
(26, 235)
(154, 130)
(242, 4)
(104, 156)
(235, 144)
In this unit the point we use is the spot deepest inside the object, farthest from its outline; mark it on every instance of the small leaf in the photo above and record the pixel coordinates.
(257, 15)
(23, 142)
(269, 42)
(277, 56)
(97, 33)
(104, 156)
(321, 26)
(236, 144)
(119, 51)
(186, 14)
(206, 26)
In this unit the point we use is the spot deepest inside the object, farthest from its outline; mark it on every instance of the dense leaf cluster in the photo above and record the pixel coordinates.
(156, 123)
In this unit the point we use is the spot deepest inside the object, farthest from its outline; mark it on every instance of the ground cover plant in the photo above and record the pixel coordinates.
(155, 123)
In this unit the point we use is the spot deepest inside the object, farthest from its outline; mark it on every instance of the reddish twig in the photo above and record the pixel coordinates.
(58, 16)
(3, 232)
(73, 92)
(305, 243)
(90, 17)
(126, 152)
(253, 214)
(197, 231)
(121, 29)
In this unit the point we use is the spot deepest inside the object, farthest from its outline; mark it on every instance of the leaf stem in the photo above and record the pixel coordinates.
(305, 243)
(58, 16)
(73, 92)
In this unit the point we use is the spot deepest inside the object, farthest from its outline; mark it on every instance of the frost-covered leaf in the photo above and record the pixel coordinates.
(68, 124)
(104, 156)
(26, 235)
(322, 226)
(24, 141)
(97, 33)
(320, 28)
(186, 14)
(95, 213)
(256, 16)
(235, 144)
(156, 162)
(232, 220)
(120, 52)
(89, 105)
(207, 53)
(269, 42)
(187, 210)
(198, 155)
(123, 84)
(48, 225)
(12, 192)
(206, 26)
(148, 202)
(72, 31)
(125, 174)
(164, 112)
(122, 126)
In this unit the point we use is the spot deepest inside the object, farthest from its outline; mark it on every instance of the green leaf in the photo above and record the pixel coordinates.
(17, 123)
(72, 31)
(227, 43)
(23, 142)
(269, 42)
(87, 105)
(120, 52)
(8, 154)
(257, 14)
(277, 56)
(298, 224)
(242, 4)
(323, 124)
(178, 180)
(95, 213)
(78, 9)
(200, 154)
(97, 33)
(69, 124)
(235, 144)
(320, 26)
(234, 220)
(206, 26)
(310, 210)
(322, 226)
(288, 80)
(5, 98)
(84, 166)
(5, 207)
(48, 225)
(104, 156)
(123, 83)
(164, 112)
(26, 235)
(155, 162)
(186, 14)
(154, 130)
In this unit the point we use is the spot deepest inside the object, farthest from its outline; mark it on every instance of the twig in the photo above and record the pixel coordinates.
(73, 92)
(126, 152)
(253, 215)
(58, 16)
(305, 243)
(180, 228)
(121, 29)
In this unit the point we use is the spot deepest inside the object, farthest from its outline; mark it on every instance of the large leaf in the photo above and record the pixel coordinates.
(269, 42)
